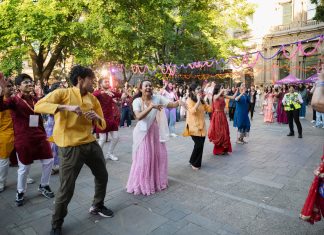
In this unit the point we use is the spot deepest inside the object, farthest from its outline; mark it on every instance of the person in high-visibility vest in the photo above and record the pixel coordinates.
(292, 103)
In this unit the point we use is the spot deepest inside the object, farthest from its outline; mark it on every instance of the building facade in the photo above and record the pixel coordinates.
(282, 22)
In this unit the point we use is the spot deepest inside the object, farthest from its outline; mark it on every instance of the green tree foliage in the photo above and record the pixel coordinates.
(319, 10)
(125, 31)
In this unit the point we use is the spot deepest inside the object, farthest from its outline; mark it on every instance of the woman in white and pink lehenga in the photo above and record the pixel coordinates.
(149, 170)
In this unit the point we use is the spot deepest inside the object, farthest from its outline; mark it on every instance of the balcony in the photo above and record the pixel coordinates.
(243, 34)
(295, 26)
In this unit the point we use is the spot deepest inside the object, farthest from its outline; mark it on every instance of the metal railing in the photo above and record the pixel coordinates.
(296, 25)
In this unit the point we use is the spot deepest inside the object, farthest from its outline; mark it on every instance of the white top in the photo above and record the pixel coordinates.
(143, 125)
(169, 95)
(138, 105)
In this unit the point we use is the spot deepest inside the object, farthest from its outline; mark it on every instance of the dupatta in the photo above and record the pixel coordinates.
(143, 126)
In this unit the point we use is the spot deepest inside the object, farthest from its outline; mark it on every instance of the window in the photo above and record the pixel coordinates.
(311, 10)
(310, 63)
(286, 13)
(284, 65)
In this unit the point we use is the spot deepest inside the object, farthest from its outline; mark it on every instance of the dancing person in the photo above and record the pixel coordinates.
(303, 93)
(38, 89)
(268, 108)
(241, 116)
(318, 94)
(75, 110)
(49, 126)
(149, 170)
(126, 110)
(6, 137)
(183, 95)
(231, 104)
(218, 132)
(111, 115)
(281, 113)
(253, 95)
(30, 138)
(292, 103)
(169, 93)
(195, 123)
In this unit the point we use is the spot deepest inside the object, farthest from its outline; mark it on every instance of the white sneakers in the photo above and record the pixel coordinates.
(173, 135)
(111, 157)
(30, 181)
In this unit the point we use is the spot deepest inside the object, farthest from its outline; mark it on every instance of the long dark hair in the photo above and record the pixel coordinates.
(192, 95)
(216, 90)
(168, 89)
(139, 87)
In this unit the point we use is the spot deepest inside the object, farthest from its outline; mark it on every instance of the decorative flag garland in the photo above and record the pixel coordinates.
(171, 69)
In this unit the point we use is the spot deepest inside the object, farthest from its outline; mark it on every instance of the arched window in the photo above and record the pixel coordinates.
(284, 65)
(309, 63)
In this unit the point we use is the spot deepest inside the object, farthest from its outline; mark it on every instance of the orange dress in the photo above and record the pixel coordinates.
(218, 132)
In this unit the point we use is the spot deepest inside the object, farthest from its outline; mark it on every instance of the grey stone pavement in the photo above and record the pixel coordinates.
(259, 189)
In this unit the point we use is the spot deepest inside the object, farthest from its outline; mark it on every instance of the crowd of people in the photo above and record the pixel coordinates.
(66, 127)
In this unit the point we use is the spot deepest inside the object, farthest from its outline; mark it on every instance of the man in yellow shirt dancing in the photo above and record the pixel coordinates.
(75, 111)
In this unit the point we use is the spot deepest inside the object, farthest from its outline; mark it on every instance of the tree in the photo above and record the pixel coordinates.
(319, 10)
(125, 31)
(172, 31)
(42, 30)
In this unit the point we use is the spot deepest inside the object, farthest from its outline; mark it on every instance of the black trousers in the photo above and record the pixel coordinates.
(252, 105)
(126, 115)
(197, 152)
(294, 116)
(314, 115)
(231, 112)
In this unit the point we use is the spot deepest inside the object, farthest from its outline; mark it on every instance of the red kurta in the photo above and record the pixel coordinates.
(110, 110)
(30, 142)
(218, 132)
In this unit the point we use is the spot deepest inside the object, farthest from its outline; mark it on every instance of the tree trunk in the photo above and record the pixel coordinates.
(38, 60)
(125, 78)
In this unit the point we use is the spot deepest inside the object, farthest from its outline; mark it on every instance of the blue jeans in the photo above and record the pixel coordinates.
(125, 116)
(319, 122)
(302, 111)
(171, 116)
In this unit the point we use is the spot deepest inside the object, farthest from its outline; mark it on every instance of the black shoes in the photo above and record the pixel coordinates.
(102, 211)
(292, 134)
(56, 231)
(46, 191)
(20, 199)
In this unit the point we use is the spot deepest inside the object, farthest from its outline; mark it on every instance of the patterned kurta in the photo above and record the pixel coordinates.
(30, 142)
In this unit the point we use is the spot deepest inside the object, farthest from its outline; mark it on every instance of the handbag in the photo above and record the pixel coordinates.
(265, 103)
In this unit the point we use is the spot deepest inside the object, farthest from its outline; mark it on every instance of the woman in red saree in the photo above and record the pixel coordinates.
(313, 208)
(218, 132)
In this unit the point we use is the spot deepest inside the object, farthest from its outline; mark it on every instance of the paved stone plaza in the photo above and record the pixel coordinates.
(258, 189)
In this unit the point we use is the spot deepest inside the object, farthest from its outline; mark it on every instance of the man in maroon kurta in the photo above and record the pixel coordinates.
(111, 115)
(30, 136)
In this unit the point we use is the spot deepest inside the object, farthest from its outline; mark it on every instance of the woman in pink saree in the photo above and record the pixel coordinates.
(149, 170)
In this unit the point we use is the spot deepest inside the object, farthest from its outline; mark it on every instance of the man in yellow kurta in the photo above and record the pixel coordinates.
(6, 138)
(75, 111)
